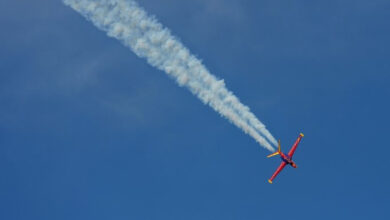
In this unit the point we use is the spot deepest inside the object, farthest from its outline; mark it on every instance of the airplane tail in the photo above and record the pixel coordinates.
(277, 152)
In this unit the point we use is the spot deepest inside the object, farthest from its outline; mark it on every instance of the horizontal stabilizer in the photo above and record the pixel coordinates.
(274, 154)
(277, 152)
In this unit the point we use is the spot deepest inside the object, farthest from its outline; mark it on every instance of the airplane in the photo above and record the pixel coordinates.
(286, 158)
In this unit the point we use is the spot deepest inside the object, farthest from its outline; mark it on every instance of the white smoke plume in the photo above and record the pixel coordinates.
(126, 21)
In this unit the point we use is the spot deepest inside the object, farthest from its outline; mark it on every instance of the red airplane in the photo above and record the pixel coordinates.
(286, 159)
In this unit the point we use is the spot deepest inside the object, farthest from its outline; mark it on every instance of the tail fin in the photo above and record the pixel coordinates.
(277, 152)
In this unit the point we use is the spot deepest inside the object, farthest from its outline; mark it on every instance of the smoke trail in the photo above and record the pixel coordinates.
(129, 23)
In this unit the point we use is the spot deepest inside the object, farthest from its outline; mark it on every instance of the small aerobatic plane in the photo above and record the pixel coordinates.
(286, 159)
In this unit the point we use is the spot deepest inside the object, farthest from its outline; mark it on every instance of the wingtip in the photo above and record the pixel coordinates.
(301, 134)
(270, 181)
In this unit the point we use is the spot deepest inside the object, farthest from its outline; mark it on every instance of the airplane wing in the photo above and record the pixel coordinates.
(280, 168)
(294, 147)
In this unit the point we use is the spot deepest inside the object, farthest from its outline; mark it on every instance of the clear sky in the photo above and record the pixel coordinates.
(90, 131)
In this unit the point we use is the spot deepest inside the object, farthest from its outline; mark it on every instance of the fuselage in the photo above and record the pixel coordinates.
(288, 160)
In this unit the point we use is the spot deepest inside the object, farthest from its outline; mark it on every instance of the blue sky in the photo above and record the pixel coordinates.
(90, 131)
